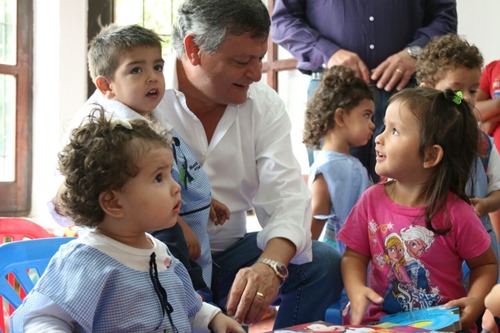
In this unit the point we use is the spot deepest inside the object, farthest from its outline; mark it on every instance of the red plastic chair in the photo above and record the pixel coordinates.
(17, 229)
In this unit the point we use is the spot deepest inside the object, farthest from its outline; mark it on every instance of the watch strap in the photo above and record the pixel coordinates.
(273, 264)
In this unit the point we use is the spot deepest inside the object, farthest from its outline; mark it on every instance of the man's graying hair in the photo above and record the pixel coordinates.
(112, 42)
(212, 20)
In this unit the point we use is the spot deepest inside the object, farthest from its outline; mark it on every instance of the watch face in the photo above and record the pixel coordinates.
(282, 270)
(414, 50)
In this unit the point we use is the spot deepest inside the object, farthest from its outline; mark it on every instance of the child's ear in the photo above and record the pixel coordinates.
(338, 116)
(192, 50)
(104, 86)
(425, 84)
(433, 156)
(110, 204)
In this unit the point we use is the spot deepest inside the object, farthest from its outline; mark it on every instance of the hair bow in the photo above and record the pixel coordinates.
(122, 122)
(458, 98)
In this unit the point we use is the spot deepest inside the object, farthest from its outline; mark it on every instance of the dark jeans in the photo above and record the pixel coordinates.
(305, 295)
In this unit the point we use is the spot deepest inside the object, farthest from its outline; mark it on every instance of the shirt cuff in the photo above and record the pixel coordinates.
(204, 317)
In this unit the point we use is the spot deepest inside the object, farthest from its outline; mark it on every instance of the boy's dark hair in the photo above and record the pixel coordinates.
(339, 88)
(106, 48)
(445, 120)
(212, 20)
(445, 53)
(102, 155)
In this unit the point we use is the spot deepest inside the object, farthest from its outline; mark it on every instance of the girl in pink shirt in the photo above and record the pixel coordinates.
(427, 152)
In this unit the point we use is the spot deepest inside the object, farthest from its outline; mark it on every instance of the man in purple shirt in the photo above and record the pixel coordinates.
(378, 39)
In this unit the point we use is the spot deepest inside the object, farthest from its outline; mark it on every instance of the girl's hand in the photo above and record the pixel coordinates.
(470, 309)
(223, 324)
(219, 212)
(360, 303)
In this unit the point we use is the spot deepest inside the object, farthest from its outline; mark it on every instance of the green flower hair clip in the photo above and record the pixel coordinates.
(459, 97)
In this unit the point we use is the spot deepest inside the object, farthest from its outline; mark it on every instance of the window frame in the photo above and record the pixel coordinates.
(101, 12)
(15, 196)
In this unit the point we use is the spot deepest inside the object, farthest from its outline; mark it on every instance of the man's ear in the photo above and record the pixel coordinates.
(104, 86)
(433, 156)
(338, 116)
(110, 204)
(192, 50)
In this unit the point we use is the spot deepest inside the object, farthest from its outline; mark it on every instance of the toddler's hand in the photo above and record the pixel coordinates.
(479, 207)
(470, 309)
(219, 212)
(223, 324)
(360, 303)
(192, 242)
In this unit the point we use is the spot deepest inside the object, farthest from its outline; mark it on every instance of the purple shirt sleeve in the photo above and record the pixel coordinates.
(313, 30)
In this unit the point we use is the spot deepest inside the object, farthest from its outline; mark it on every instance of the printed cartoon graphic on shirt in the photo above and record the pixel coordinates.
(409, 282)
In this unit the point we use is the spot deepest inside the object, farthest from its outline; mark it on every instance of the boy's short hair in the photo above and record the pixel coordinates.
(444, 53)
(106, 48)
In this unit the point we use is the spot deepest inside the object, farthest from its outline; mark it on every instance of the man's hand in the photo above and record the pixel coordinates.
(253, 290)
(352, 60)
(394, 72)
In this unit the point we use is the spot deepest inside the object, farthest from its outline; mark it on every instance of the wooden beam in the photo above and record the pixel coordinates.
(273, 65)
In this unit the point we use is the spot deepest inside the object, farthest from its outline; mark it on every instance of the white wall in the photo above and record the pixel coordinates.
(59, 85)
(59, 78)
(478, 22)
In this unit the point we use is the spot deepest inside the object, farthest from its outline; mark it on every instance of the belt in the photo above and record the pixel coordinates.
(316, 75)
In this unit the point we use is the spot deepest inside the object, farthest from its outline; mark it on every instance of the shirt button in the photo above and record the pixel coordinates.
(372, 46)
(371, 18)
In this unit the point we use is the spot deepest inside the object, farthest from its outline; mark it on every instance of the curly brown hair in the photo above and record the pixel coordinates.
(339, 88)
(102, 155)
(444, 53)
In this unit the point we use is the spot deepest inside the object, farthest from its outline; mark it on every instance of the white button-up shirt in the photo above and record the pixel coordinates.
(250, 164)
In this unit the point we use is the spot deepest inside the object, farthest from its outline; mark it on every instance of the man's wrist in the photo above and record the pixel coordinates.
(280, 269)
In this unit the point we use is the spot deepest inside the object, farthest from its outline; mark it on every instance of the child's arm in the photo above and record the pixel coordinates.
(489, 125)
(321, 204)
(491, 202)
(492, 301)
(486, 108)
(219, 212)
(483, 276)
(488, 204)
(223, 324)
(192, 242)
(354, 269)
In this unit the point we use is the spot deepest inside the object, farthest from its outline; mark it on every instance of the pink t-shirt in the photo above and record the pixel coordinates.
(410, 266)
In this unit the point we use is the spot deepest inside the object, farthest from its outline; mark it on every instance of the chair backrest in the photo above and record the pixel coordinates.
(25, 260)
(16, 229)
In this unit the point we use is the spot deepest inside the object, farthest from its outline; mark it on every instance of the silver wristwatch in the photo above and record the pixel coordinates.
(279, 268)
(414, 50)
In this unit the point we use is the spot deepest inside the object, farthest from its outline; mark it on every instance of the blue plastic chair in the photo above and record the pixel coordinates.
(26, 260)
(333, 314)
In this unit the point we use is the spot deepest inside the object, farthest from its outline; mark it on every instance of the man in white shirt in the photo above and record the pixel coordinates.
(240, 132)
